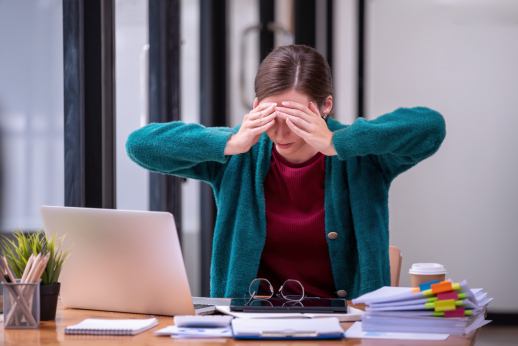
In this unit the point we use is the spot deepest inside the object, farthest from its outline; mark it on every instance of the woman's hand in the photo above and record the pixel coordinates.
(259, 120)
(307, 123)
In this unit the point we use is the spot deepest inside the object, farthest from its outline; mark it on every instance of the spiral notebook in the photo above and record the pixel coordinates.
(112, 327)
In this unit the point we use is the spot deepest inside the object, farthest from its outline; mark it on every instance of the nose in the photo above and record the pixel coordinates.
(282, 131)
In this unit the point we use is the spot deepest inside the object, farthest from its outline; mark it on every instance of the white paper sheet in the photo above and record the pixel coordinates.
(355, 331)
(176, 332)
(255, 327)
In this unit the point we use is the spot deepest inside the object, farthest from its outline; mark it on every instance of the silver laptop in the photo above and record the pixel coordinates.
(128, 261)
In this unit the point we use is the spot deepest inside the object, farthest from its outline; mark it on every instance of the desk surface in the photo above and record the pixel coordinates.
(51, 333)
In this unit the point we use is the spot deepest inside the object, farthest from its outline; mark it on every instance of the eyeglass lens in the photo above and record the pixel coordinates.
(261, 288)
(292, 290)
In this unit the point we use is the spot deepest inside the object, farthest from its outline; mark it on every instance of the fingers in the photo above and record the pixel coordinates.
(262, 111)
(296, 130)
(264, 120)
(301, 107)
(300, 123)
(263, 128)
(284, 112)
(263, 106)
(312, 107)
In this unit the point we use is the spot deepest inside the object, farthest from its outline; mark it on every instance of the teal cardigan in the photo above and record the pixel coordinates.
(370, 155)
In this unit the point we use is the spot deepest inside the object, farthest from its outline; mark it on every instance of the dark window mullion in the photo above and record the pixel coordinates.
(164, 96)
(89, 103)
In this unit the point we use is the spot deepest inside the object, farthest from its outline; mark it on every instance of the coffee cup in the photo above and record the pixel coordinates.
(426, 272)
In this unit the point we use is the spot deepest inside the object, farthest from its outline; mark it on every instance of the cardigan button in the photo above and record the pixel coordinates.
(342, 293)
(332, 235)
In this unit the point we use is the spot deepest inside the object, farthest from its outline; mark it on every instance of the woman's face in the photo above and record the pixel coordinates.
(288, 144)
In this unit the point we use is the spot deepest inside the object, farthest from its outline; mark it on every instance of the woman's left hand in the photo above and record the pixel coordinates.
(307, 123)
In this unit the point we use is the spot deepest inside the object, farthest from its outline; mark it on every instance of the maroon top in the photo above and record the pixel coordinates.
(296, 244)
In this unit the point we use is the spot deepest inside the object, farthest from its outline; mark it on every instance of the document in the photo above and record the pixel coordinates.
(355, 331)
(178, 332)
(324, 328)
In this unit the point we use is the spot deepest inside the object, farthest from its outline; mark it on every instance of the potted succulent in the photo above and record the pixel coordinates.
(17, 253)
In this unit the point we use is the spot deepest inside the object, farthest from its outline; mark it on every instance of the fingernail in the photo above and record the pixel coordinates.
(285, 103)
(274, 104)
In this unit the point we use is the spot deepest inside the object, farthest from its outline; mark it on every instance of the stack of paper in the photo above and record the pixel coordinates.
(434, 307)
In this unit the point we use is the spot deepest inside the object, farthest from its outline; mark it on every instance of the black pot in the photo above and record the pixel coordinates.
(49, 301)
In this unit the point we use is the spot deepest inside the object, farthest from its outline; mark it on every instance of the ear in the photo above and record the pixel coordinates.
(328, 106)
(256, 103)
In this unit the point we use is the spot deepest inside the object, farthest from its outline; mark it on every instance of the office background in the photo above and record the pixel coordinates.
(458, 57)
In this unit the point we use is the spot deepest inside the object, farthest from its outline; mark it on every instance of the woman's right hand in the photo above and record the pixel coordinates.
(259, 120)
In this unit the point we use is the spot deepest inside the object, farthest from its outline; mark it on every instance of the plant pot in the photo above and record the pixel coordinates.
(49, 301)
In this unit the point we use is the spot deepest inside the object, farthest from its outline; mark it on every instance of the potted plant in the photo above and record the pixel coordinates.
(17, 253)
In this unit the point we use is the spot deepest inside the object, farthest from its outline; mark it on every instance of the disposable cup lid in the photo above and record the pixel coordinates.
(427, 269)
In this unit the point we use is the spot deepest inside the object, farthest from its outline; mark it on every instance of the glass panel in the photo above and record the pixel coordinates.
(242, 15)
(31, 111)
(131, 39)
(190, 113)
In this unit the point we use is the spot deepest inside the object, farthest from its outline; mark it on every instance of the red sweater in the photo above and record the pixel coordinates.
(296, 244)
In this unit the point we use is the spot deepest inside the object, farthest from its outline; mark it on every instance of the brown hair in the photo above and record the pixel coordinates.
(296, 67)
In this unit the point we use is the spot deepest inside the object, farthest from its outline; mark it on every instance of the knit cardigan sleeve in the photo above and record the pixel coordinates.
(395, 141)
(186, 150)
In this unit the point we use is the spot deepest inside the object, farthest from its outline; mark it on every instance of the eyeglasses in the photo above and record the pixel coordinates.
(261, 289)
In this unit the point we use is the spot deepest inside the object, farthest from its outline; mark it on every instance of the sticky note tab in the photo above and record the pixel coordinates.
(429, 305)
(455, 287)
(428, 293)
(448, 295)
(445, 305)
(416, 290)
(458, 312)
(427, 285)
(444, 286)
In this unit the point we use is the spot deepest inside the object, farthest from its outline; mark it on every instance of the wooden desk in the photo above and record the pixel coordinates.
(51, 333)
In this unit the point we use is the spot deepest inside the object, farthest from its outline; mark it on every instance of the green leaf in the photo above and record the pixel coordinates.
(19, 250)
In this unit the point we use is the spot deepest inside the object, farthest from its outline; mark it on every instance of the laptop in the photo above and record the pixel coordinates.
(126, 261)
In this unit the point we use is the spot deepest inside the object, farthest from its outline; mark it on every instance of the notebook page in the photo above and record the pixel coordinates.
(129, 326)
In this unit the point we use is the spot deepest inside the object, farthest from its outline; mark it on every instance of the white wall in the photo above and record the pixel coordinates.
(459, 207)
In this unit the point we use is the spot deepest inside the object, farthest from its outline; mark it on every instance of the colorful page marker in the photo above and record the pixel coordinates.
(444, 305)
(448, 295)
(445, 296)
(427, 285)
(459, 312)
(444, 286)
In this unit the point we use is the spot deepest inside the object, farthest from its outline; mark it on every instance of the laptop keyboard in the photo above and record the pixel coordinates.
(201, 306)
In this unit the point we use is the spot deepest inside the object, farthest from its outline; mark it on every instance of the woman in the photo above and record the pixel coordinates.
(298, 196)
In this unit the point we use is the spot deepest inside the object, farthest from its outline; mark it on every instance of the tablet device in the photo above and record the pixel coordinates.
(307, 305)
